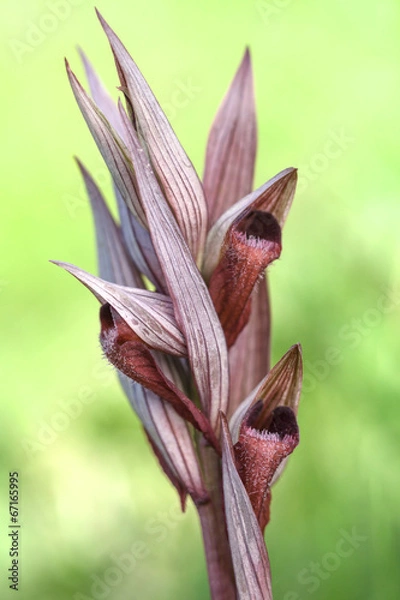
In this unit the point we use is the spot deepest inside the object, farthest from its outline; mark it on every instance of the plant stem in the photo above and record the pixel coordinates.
(215, 536)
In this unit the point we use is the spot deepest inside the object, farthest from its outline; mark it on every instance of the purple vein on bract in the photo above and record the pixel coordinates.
(149, 314)
(175, 172)
(232, 145)
(110, 146)
(194, 310)
(114, 261)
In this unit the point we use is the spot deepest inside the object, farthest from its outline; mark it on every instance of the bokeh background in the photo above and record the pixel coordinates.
(327, 85)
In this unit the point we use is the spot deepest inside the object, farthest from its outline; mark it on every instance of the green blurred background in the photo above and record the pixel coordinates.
(327, 85)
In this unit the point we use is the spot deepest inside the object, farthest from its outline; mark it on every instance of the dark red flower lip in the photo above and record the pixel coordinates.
(261, 449)
(251, 244)
(126, 351)
(274, 197)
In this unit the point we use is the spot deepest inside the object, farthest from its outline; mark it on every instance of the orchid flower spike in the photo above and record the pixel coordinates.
(184, 310)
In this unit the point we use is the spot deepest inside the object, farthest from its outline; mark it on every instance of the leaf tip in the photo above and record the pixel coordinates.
(296, 350)
(59, 263)
(79, 162)
(102, 20)
(245, 70)
(72, 77)
(246, 60)
(82, 56)
(294, 356)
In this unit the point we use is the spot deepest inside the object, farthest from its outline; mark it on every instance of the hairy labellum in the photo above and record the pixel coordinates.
(260, 450)
(251, 244)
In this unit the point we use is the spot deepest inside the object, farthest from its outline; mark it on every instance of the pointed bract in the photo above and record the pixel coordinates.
(111, 148)
(101, 97)
(194, 310)
(169, 433)
(281, 387)
(149, 314)
(168, 470)
(249, 554)
(232, 144)
(166, 430)
(136, 236)
(139, 244)
(115, 265)
(174, 170)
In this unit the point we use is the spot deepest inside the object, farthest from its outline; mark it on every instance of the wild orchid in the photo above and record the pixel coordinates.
(184, 309)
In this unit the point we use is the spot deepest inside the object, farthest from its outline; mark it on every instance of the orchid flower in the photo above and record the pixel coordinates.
(184, 310)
